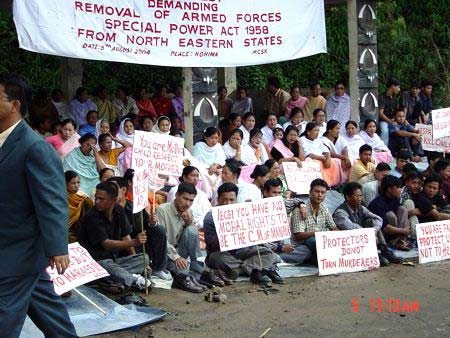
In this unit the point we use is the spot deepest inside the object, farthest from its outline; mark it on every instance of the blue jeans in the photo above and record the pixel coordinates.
(300, 254)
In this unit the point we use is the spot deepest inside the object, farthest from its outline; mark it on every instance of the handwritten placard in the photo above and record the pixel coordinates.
(441, 123)
(346, 251)
(431, 144)
(245, 224)
(82, 269)
(154, 154)
(299, 179)
(433, 241)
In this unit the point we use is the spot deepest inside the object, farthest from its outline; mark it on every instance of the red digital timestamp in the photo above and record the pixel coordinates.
(385, 305)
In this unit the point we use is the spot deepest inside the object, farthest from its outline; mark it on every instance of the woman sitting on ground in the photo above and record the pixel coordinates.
(370, 136)
(296, 101)
(354, 141)
(296, 119)
(259, 148)
(288, 149)
(234, 148)
(126, 133)
(267, 130)
(243, 104)
(209, 152)
(319, 118)
(275, 172)
(109, 156)
(176, 125)
(259, 176)
(248, 123)
(79, 203)
(146, 123)
(66, 140)
(337, 146)
(162, 126)
(314, 149)
(86, 162)
(233, 122)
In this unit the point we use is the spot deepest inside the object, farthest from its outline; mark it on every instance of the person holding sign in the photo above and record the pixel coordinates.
(182, 238)
(242, 261)
(33, 230)
(352, 215)
(105, 233)
(318, 218)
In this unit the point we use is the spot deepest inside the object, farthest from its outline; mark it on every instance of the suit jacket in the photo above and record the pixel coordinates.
(33, 204)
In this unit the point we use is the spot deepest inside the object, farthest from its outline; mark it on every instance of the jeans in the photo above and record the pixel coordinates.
(300, 254)
(121, 270)
(384, 129)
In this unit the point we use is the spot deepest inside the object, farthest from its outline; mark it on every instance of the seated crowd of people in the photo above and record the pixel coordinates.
(382, 185)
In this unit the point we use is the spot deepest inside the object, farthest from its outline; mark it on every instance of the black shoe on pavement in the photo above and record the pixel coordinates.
(233, 274)
(197, 283)
(383, 260)
(211, 278)
(258, 277)
(184, 283)
(222, 275)
(275, 277)
(389, 254)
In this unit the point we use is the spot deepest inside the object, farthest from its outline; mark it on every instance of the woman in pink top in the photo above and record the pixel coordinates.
(66, 140)
(296, 100)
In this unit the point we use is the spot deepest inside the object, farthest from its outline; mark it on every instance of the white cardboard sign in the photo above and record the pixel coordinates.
(433, 241)
(441, 122)
(299, 179)
(245, 224)
(82, 269)
(431, 144)
(346, 251)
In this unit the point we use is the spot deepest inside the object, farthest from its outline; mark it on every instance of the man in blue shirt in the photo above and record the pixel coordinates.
(403, 136)
(427, 104)
(396, 226)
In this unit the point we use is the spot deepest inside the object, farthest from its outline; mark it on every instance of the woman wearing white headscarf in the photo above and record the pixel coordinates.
(126, 133)
(162, 126)
(102, 127)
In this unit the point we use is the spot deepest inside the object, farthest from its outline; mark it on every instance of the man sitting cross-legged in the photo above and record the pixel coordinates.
(156, 245)
(318, 218)
(352, 215)
(363, 166)
(396, 227)
(245, 260)
(105, 233)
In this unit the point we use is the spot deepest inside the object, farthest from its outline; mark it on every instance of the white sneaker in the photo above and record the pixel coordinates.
(164, 275)
(139, 282)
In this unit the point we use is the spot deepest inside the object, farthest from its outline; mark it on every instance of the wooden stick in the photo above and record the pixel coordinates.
(265, 332)
(141, 219)
(90, 301)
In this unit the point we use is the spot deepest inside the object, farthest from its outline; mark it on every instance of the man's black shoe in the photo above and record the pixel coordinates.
(258, 277)
(275, 277)
(184, 283)
(223, 276)
(383, 260)
(389, 254)
(211, 278)
(197, 283)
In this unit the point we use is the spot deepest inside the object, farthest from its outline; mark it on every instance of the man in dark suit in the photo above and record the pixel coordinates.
(34, 219)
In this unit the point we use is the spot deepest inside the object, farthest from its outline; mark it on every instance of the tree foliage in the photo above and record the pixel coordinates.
(413, 44)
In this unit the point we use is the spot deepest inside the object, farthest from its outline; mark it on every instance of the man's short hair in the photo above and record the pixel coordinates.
(412, 175)
(426, 83)
(409, 167)
(272, 183)
(90, 112)
(415, 84)
(382, 166)
(121, 182)
(17, 88)
(110, 188)
(441, 165)
(186, 187)
(433, 178)
(273, 81)
(398, 110)
(228, 187)
(351, 187)
(403, 154)
(364, 147)
(392, 82)
(389, 181)
(318, 182)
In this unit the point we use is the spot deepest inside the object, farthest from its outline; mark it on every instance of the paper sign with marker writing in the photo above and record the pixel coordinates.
(346, 251)
(431, 144)
(441, 122)
(153, 154)
(299, 179)
(82, 269)
(433, 241)
(245, 224)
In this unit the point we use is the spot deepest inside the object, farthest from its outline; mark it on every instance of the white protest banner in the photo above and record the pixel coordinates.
(441, 122)
(82, 269)
(183, 33)
(299, 179)
(431, 144)
(433, 241)
(346, 251)
(251, 223)
(153, 154)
